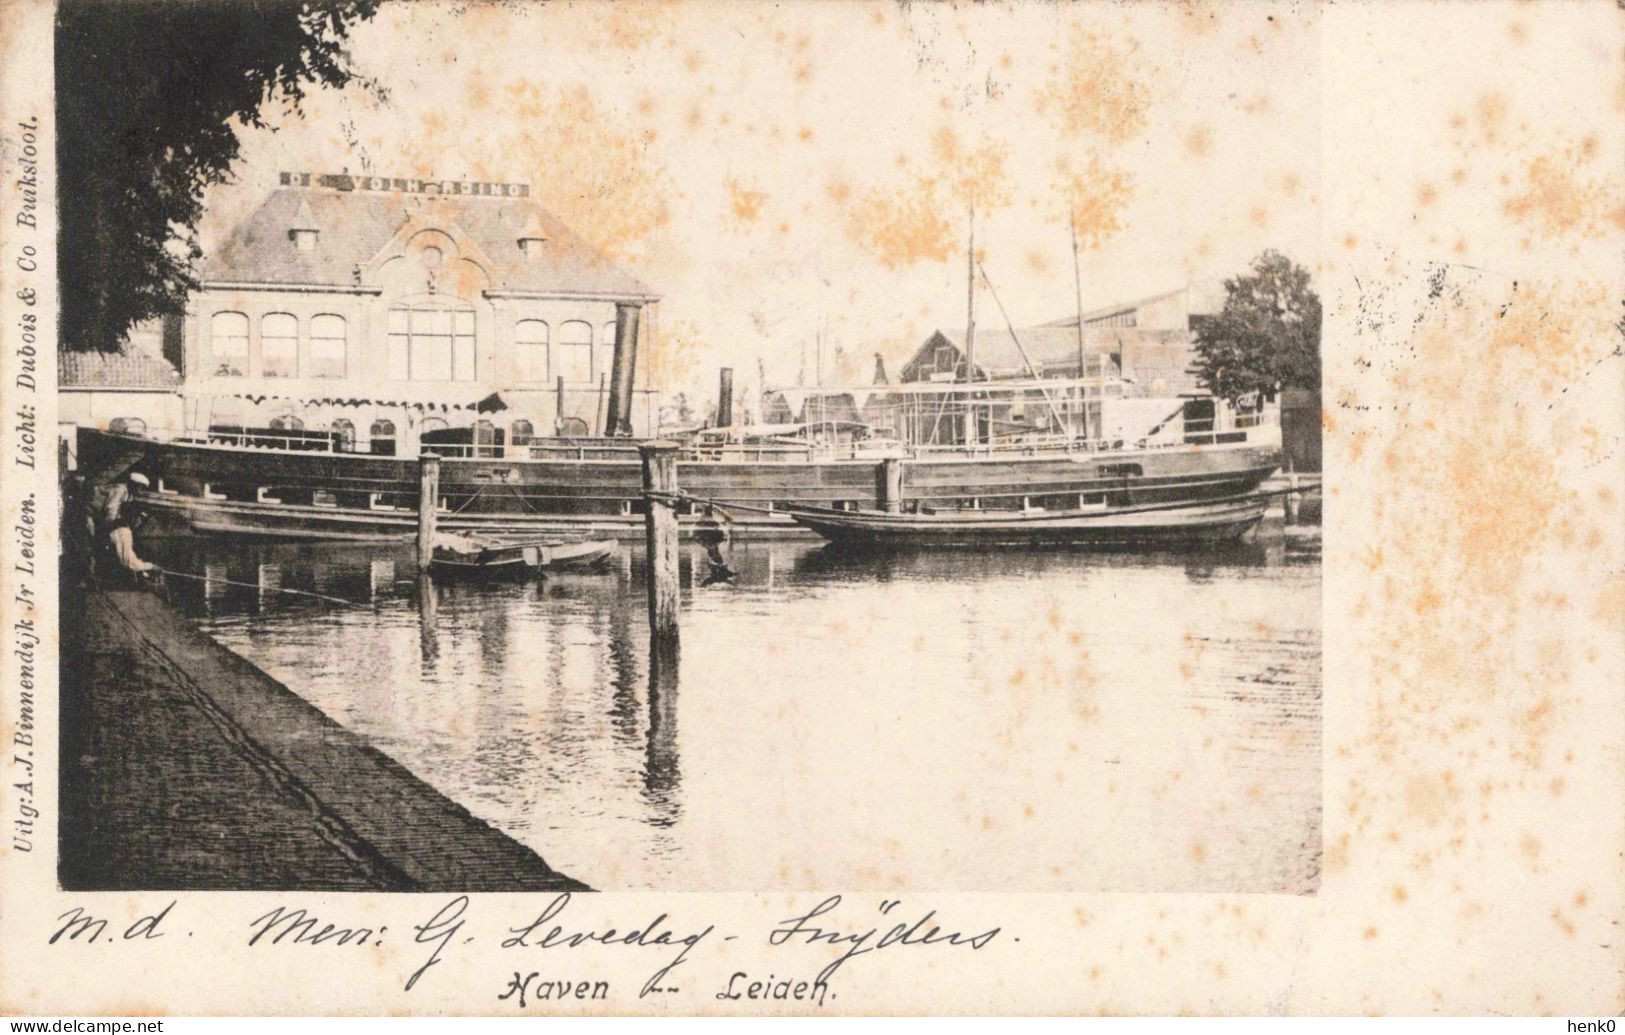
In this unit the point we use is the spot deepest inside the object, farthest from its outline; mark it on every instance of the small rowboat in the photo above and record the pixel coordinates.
(467, 556)
(1103, 526)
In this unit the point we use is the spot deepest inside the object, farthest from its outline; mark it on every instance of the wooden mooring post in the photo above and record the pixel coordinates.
(428, 507)
(660, 531)
(891, 485)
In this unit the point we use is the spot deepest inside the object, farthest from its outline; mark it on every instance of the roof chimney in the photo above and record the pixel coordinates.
(531, 239)
(303, 231)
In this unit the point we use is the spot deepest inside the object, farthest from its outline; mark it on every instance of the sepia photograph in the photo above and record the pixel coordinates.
(652, 493)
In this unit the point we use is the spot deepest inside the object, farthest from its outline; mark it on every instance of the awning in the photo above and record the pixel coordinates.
(435, 399)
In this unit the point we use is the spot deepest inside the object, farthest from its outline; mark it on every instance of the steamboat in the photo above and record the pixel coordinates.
(1010, 448)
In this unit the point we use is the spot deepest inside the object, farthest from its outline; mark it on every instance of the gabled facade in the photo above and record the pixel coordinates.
(386, 307)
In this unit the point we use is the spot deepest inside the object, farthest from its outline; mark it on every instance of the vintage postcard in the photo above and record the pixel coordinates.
(812, 508)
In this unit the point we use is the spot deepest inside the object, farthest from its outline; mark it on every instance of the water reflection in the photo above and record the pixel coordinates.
(1068, 720)
(428, 616)
(660, 773)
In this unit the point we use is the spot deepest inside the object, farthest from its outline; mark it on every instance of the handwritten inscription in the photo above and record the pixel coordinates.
(672, 947)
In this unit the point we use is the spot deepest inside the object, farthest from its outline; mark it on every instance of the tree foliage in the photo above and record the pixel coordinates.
(1267, 336)
(150, 97)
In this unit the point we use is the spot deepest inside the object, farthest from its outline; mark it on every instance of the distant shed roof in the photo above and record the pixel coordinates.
(354, 226)
(122, 370)
(1048, 347)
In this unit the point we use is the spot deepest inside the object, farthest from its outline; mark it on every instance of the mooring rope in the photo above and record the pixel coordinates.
(684, 497)
(273, 589)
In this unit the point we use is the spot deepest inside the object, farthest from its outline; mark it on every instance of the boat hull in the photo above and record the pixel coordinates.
(213, 489)
(1144, 526)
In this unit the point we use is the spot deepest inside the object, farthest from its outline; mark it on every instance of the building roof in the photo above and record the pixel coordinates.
(125, 370)
(354, 226)
(1200, 299)
(1048, 346)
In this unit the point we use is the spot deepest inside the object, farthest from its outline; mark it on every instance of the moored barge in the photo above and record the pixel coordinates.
(225, 484)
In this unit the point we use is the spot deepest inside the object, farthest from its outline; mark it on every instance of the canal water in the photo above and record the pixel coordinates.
(1005, 720)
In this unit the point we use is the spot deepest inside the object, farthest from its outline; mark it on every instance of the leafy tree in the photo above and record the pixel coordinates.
(1266, 336)
(149, 100)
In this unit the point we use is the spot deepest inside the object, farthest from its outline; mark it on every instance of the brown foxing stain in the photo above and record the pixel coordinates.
(1095, 196)
(744, 204)
(609, 185)
(1199, 142)
(1095, 90)
(1198, 18)
(631, 25)
(1555, 196)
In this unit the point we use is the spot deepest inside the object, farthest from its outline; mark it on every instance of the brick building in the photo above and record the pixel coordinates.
(383, 308)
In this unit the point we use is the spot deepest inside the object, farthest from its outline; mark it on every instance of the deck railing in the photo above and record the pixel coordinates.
(1177, 434)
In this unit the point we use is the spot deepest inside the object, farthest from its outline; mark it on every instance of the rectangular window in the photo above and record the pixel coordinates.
(431, 344)
(462, 345)
(398, 370)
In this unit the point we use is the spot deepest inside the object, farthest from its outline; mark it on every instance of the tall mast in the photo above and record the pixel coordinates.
(971, 434)
(1077, 281)
(970, 300)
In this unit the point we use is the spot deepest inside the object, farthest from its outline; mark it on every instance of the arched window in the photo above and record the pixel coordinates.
(382, 436)
(344, 435)
(279, 345)
(523, 432)
(608, 340)
(574, 361)
(127, 426)
(329, 346)
(228, 340)
(431, 342)
(287, 422)
(530, 341)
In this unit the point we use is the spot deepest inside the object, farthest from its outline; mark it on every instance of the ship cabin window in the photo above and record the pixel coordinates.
(227, 413)
(530, 339)
(343, 435)
(279, 345)
(431, 343)
(287, 422)
(329, 346)
(575, 352)
(523, 432)
(127, 426)
(228, 340)
(382, 438)
(487, 439)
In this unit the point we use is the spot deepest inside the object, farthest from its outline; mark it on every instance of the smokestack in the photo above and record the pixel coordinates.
(623, 366)
(725, 398)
